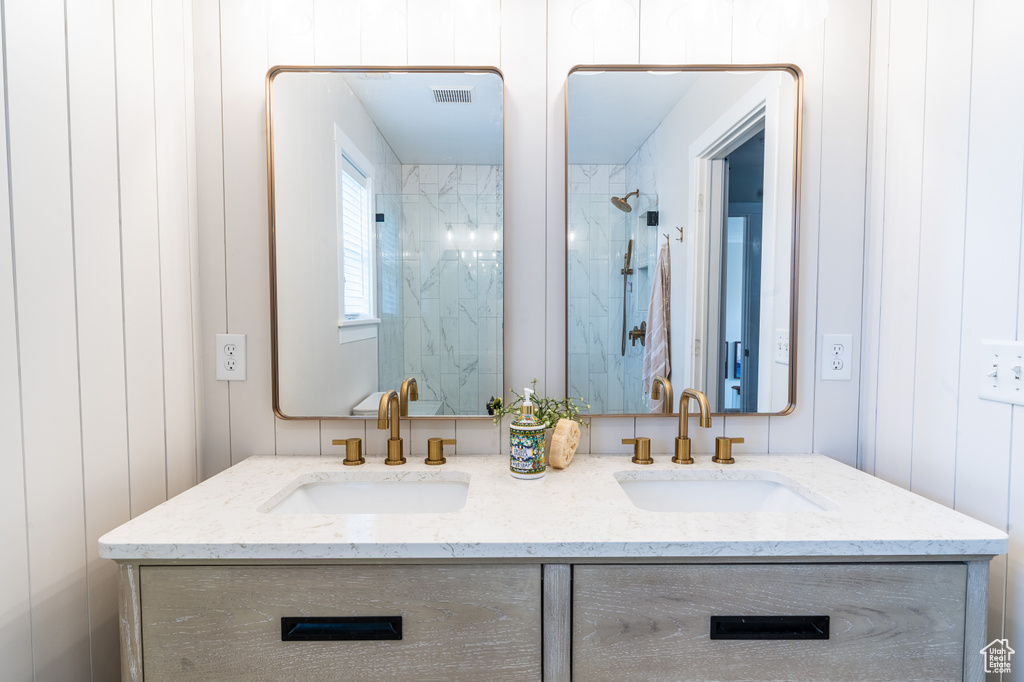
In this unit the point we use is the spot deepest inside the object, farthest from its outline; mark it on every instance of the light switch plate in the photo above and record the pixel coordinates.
(231, 357)
(1000, 371)
(836, 357)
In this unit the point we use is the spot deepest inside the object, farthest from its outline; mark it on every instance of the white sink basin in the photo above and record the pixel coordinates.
(720, 492)
(371, 493)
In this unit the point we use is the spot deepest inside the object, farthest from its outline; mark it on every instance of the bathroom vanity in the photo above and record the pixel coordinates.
(602, 571)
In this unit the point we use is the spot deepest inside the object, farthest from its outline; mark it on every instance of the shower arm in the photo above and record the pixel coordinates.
(626, 272)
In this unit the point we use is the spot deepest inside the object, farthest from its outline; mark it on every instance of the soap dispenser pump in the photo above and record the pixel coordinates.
(526, 443)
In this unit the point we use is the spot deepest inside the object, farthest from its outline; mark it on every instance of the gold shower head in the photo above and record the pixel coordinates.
(622, 204)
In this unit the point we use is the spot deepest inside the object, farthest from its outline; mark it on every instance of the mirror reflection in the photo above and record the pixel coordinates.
(681, 235)
(386, 232)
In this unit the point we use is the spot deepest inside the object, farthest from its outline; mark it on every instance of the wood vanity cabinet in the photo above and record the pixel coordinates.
(619, 621)
(653, 622)
(459, 622)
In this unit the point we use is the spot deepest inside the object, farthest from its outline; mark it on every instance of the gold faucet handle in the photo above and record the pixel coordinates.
(641, 449)
(435, 450)
(723, 450)
(353, 450)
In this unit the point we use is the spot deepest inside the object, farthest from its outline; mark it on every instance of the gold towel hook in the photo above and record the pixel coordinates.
(680, 233)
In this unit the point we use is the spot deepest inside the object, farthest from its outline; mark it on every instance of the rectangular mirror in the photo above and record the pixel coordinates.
(386, 204)
(681, 212)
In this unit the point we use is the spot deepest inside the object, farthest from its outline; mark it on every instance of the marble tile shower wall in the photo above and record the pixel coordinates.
(452, 283)
(599, 234)
(391, 332)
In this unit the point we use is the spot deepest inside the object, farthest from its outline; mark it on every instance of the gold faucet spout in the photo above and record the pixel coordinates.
(683, 440)
(684, 409)
(660, 381)
(387, 412)
(409, 392)
(388, 415)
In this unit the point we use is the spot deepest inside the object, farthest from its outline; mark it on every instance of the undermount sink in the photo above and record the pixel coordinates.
(741, 491)
(371, 493)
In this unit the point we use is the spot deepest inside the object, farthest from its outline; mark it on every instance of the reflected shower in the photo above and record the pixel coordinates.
(623, 204)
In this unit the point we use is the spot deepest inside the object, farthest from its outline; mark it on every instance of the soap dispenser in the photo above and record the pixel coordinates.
(526, 443)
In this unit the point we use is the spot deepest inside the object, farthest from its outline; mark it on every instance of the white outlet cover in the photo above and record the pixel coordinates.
(781, 347)
(231, 354)
(836, 357)
(1006, 360)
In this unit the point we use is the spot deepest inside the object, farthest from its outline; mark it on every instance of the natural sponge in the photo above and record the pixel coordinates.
(564, 441)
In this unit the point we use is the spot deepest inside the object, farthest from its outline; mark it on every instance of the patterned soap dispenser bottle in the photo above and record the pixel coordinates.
(526, 443)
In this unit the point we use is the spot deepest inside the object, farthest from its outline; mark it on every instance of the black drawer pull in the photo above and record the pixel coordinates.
(340, 628)
(769, 627)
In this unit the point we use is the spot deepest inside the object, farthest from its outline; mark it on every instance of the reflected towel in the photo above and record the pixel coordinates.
(657, 356)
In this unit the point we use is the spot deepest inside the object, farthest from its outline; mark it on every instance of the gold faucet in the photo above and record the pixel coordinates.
(388, 416)
(409, 392)
(682, 440)
(660, 381)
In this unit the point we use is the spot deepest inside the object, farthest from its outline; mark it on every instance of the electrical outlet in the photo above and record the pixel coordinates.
(231, 357)
(782, 346)
(836, 354)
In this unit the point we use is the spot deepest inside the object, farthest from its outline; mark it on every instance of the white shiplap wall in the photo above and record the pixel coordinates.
(943, 264)
(99, 416)
(535, 44)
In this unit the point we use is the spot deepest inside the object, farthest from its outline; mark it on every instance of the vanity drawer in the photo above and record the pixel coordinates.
(886, 622)
(458, 622)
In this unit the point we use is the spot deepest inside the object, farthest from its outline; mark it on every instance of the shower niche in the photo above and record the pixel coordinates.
(686, 178)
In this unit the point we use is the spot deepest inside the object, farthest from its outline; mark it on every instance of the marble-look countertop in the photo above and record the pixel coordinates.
(578, 512)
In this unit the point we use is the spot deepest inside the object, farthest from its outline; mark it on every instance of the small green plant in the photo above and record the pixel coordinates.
(547, 410)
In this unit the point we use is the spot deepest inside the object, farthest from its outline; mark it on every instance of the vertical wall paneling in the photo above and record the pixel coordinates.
(383, 31)
(244, 63)
(991, 257)
(432, 31)
(175, 243)
(898, 312)
(944, 231)
(209, 162)
(841, 209)
(140, 244)
(43, 246)
(15, 648)
(946, 117)
(663, 42)
(477, 32)
(93, 126)
(336, 35)
(874, 210)
(87, 278)
(524, 28)
(991, 269)
(192, 191)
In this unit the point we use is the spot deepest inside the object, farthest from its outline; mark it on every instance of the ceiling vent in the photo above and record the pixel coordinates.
(453, 95)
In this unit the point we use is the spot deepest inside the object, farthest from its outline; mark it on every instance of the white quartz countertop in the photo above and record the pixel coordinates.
(579, 512)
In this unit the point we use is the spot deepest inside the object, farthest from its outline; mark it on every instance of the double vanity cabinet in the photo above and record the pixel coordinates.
(561, 578)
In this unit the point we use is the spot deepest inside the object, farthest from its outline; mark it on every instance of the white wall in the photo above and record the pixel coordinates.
(99, 409)
(944, 268)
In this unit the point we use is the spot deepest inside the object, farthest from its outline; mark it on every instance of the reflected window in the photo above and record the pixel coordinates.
(355, 235)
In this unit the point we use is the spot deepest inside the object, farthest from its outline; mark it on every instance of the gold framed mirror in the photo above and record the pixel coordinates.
(682, 215)
(386, 202)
